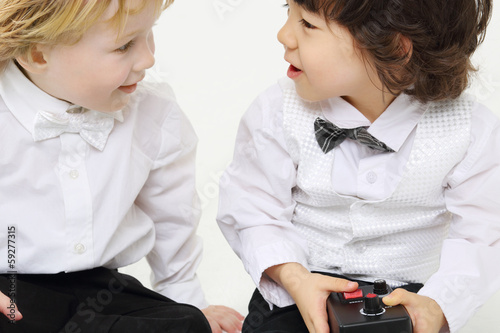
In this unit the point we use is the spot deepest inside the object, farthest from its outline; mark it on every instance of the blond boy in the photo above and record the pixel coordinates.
(96, 172)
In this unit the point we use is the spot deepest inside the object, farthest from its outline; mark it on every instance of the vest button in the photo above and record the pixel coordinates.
(371, 177)
(361, 249)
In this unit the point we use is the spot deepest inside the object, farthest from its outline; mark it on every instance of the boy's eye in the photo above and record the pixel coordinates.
(125, 47)
(307, 24)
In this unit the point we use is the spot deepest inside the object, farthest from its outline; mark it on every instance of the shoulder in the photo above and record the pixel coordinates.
(155, 104)
(483, 116)
(267, 107)
(483, 123)
(485, 126)
(153, 99)
(479, 112)
(158, 121)
(271, 97)
(484, 141)
(480, 118)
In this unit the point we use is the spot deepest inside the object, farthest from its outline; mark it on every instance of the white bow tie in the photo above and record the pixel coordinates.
(94, 127)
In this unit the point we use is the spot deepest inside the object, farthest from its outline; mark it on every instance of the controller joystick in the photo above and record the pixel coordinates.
(363, 311)
(372, 306)
(380, 287)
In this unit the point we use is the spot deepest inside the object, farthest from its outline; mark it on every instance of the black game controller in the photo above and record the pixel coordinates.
(363, 311)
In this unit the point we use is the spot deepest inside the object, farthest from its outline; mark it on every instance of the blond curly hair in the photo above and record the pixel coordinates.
(26, 23)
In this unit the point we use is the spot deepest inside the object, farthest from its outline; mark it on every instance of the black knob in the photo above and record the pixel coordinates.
(380, 287)
(372, 305)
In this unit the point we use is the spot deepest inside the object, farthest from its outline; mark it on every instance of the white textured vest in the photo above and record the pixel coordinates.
(398, 238)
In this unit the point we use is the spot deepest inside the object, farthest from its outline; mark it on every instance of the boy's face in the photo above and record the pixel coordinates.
(100, 72)
(324, 61)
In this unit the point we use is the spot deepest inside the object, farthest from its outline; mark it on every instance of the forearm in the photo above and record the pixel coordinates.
(288, 275)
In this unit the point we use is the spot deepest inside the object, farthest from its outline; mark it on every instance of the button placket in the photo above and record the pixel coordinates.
(79, 248)
(77, 200)
(74, 174)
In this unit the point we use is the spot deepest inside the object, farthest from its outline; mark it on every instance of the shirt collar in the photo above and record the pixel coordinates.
(24, 99)
(392, 127)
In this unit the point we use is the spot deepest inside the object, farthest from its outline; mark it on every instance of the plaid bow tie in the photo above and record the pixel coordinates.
(330, 136)
(94, 127)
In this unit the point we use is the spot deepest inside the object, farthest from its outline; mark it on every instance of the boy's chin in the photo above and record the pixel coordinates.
(309, 96)
(116, 105)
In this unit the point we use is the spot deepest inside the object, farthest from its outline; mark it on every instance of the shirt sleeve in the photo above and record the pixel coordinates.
(469, 272)
(169, 198)
(256, 205)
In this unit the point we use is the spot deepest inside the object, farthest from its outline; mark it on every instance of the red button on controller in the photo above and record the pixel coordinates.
(358, 293)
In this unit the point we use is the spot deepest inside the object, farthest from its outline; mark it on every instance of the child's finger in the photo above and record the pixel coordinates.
(230, 324)
(214, 325)
(338, 285)
(9, 309)
(231, 311)
(224, 317)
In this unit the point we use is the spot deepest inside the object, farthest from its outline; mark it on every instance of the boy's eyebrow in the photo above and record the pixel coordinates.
(127, 36)
(122, 37)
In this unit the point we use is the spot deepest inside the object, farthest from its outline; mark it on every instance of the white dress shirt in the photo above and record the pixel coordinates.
(256, 204)
(76, 207)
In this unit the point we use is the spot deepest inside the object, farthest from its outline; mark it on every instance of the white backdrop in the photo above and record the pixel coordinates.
(218, 55)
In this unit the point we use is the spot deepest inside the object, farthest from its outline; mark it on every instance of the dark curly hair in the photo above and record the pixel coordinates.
(440, 37)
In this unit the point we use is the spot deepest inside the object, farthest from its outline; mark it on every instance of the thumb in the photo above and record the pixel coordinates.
(398, 296)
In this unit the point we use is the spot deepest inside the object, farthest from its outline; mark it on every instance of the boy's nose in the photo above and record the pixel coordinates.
(147, 56)
(286, 36)
(150, 60)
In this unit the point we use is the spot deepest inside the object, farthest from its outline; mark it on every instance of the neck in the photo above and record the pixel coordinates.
(371, 105)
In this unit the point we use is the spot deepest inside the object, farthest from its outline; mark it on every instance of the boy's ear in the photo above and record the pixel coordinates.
(36, 61)
(406, 47)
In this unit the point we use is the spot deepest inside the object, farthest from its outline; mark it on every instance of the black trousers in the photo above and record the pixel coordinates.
(95, 301)
(261, 319)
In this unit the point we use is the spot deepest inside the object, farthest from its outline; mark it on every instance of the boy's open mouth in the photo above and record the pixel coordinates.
(128, 89)
(293, 72)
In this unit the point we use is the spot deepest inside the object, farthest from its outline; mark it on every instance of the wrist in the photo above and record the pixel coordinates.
(288, 275)
(440, 317)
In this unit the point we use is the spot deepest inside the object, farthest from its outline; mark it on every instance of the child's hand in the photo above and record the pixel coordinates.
(425, 313)
(221, 318)
(311, 298)
(309, 291)
(7, 310)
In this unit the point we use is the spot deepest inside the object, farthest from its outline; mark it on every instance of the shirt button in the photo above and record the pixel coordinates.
(79, 248)
(371, 177)
(74, 174)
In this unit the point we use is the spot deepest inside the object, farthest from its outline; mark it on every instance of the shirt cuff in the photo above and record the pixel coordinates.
(272, 255)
